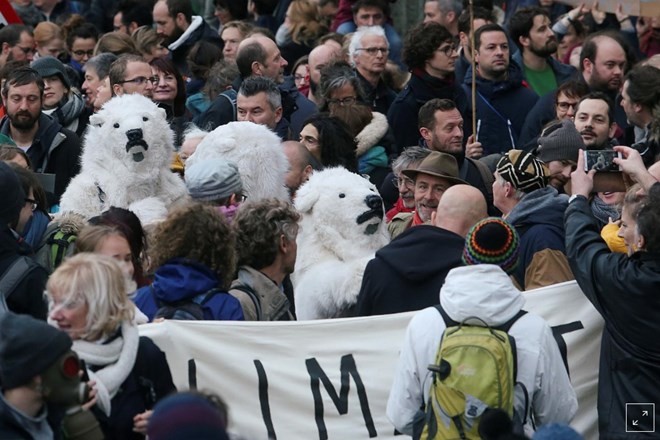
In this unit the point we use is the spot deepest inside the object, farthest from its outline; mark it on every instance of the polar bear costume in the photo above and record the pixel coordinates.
(126, 162)
(256, 151)
(342, 227)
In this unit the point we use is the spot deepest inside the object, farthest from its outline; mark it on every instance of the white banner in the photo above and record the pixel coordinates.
(330, 379)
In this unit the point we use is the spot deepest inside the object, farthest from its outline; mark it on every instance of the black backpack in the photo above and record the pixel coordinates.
(191, 309)
(12, 277)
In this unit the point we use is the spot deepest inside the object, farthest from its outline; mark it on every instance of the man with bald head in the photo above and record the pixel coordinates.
(258, 55)
(407, 274)
(301, 165)
(320, 57)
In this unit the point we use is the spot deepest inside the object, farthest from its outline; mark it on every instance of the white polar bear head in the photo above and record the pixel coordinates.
(341, 212)
(257, 152)
(130, 134)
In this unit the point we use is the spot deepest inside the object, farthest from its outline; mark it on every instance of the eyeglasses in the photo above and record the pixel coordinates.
(141, 80)
(26, 50)
(403, 181)
(447, 50)
(33, 203)
(374, 50)
(349, 100)
(82, 53)
(563, 106)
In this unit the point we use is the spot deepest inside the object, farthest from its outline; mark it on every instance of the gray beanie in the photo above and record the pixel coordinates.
(11, 194)
(50, 66)
(28, 347)
(213, 179)
(559, 141)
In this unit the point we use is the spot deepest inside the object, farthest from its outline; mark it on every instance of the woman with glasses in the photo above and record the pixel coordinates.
(33, 219)
(81, 38)
(87, 300)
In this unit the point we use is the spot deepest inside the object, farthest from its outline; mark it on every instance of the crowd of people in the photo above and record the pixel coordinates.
(468, 115)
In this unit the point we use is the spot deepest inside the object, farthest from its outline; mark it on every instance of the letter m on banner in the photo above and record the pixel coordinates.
(348, 369)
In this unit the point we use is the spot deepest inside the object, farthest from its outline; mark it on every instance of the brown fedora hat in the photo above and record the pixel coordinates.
(439, 165)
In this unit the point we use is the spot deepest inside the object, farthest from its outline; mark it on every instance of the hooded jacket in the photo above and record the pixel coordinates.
(182, 280)
(54, 150)
(539, 220)
(272, 301)
(407, 274)
(487, 292)
(501, 109)
(403, 113)
(624, 290)
(197, 31)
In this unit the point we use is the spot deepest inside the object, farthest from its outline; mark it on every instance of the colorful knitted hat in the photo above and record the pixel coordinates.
(524, 171)
(492, 241)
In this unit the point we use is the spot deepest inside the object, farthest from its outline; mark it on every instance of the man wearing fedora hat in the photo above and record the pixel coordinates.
(431, 179)
(536, 210)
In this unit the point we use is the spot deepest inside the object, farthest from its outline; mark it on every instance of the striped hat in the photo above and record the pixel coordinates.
(524, 171)
(492, 241)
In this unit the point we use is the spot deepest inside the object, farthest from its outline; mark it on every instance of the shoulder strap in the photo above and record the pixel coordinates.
(231, 95)
(448, 321)
(253, 296)
(507, 325)
(12, 277)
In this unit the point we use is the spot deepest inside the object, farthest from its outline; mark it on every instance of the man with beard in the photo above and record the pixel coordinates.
(604, 59)
(558, 148)
(430, 53)
(501, 93)
(181, 29)
(51, 148)
(594, 120)
(530, 29)
(441, 127)
(640, 99)
(266, 233)
(16, 44)
(431, 178)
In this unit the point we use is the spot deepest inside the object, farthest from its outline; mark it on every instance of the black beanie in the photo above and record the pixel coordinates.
(28, 347)
(11, 194)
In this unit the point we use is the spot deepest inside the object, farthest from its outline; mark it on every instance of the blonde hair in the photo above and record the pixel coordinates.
(100, 283)
(305, 27)
(45, 32)
(145, 39)
(117, 43)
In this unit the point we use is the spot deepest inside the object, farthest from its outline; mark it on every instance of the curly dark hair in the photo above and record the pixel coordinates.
(421, 41)
(336, 144)
(199, 233)
(258, 226)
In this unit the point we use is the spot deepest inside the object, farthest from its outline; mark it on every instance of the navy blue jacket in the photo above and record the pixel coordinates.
(403, 113)
(379, 98)
(501, 107)
(179, 280)
(407, 274)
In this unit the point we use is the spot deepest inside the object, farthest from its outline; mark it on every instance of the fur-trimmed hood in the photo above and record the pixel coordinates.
(372, 133)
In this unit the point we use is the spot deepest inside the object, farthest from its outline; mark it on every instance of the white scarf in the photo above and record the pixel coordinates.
(117, 359)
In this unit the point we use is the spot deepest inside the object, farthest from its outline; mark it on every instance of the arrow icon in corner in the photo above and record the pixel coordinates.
(645, 413)
(635, 422)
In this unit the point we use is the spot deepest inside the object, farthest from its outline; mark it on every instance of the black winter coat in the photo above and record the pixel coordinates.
(407, 274)
(624, 290)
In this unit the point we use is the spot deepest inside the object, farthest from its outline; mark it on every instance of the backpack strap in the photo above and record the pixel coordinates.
(231, 95)
(445, 317)
(12, 277)
(253, 296)
(507, 325)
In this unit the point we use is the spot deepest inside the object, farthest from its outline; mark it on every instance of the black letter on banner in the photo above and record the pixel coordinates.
(346, 367)
(263, 399)
(558, 331)
(192, 374)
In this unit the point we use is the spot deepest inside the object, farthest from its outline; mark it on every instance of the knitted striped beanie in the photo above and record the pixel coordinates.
(492, 241)
(524, 171)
